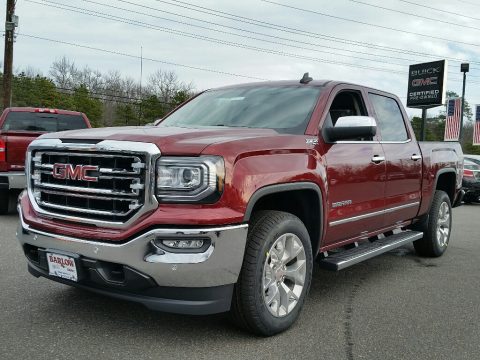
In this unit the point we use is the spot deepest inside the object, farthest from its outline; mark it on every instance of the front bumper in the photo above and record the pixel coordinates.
(12, 180)
(192, 283)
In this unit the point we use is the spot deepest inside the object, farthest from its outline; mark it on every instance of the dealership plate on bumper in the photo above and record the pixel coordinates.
(62, 266)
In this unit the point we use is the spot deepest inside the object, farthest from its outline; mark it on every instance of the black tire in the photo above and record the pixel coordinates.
(467, 200)
(432, 244)
(249, 309)
(4, 201)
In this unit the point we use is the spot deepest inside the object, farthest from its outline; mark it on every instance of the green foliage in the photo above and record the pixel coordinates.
(435, 127)
(106, 98)
(125, 115)
(37, 91)
(83, 102)
(180, 97)
(467, 112)
(152, 109)
(434, 130)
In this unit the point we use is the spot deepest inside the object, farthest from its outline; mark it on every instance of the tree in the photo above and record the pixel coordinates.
(152, 109)
(83, 102)
(165, 85)
(435, 126)
(63, 73)
(107, 98)
(467, 113)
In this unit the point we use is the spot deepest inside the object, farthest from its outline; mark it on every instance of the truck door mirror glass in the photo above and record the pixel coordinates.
(353, 128)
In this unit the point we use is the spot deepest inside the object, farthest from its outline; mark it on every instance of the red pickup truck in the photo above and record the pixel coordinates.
(225, 205)
(19, 126)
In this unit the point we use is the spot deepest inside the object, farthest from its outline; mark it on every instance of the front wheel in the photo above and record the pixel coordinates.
(436, 227)
(276, 274)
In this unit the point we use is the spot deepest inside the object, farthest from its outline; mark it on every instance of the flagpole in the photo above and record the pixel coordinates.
(463, 68)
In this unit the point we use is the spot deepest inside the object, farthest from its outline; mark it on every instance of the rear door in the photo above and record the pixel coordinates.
(403, 159)
(355, 174)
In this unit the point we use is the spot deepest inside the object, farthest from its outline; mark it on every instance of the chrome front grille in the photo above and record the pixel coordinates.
(116, 194)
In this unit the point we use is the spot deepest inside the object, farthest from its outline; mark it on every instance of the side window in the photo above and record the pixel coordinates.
(389, 118)
(346, 103)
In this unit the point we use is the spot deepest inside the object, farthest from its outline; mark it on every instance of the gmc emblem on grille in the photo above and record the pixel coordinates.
(69, 172)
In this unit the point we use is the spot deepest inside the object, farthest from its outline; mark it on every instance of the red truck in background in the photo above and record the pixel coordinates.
(19, 126)
(225, 205)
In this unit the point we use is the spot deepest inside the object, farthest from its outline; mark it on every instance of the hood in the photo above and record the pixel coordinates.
(170, 140)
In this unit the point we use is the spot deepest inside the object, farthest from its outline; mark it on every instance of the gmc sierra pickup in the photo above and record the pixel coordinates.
(225, 205)
(19, 126)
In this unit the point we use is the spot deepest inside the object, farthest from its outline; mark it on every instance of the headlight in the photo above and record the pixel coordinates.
(190, 179)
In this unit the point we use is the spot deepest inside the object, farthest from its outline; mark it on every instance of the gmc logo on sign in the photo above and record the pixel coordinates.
(427, 81)
(69, 172)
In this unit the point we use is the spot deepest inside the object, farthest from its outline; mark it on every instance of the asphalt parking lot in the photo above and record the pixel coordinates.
(396, 306)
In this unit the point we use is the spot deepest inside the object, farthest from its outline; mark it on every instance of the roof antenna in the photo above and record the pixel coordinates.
(306, 79)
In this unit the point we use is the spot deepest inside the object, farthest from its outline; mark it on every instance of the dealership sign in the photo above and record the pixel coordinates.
(427, 84)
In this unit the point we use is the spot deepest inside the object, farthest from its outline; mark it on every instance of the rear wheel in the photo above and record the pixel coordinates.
(276, 274)
(436, 227)
(4, 201)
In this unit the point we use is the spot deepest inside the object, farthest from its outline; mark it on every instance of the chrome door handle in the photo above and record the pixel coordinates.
(416, 157)
(378, 159)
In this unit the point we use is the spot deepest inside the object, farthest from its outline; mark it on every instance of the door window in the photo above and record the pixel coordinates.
(345, 103)
(389, 118)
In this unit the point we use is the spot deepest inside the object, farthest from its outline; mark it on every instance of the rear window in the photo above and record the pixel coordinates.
(42, 122)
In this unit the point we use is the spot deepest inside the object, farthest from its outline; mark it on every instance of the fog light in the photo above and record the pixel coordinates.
(183, 244)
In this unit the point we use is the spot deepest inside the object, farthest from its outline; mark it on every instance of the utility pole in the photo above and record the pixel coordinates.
(464, 68)
(141, 92)
(11, 23)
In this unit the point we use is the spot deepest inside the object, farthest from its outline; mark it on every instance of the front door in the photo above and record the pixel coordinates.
(356, 176)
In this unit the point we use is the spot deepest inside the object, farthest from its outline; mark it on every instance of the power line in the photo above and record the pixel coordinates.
(260, 23)
(164, 62)
(195, 36)
(414, 15)
(252, 32)
(237, 45)
(440, 10)
(468, 2)
(242, 36)
(144, 58)
(101, 96)
(213, 40)
(370, 24)
(248, 31)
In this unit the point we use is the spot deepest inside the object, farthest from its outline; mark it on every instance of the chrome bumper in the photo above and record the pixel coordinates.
(16, 180)
(219, 265)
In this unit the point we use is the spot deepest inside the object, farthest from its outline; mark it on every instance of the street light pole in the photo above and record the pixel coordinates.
(464, 68)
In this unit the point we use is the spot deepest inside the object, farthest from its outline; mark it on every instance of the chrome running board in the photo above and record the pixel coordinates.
(343, 259)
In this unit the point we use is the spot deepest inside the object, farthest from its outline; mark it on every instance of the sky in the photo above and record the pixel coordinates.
(214, 43)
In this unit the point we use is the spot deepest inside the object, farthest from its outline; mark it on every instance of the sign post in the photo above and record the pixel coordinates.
(426, 87)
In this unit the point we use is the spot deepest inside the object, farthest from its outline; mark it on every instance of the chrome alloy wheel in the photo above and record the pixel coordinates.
(443, 225)
(284, 275)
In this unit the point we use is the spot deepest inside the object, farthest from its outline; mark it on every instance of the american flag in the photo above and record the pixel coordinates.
(452, 123)
(476, 128)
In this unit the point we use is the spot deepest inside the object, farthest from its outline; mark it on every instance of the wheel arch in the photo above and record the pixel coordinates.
(308, 205)
(445, 180)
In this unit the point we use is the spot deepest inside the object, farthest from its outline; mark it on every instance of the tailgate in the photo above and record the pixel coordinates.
(16, 144)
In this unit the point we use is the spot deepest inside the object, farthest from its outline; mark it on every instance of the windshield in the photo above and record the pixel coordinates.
(42, 122)
(285, 109)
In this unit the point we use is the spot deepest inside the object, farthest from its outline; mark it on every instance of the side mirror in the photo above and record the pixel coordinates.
(352, 127)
